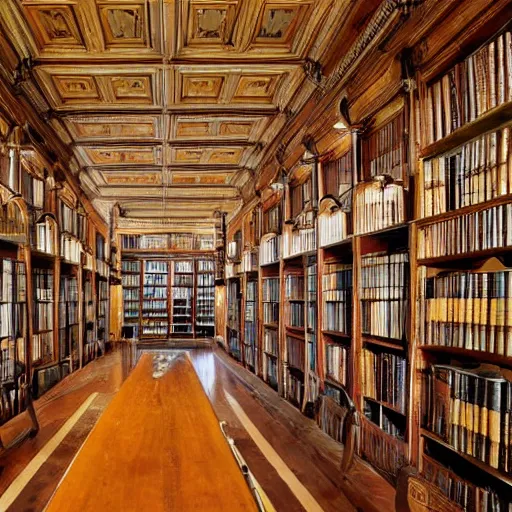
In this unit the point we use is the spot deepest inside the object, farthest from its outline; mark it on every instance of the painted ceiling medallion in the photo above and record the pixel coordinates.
(276, 23)
(115, 129)
(76, 87)
(133, 179)
(211, 24)
(131, 87)
(56, 25)
(123, 24)
(113, 157)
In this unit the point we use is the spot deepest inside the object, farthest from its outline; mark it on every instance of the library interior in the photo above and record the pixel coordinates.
(256, 255)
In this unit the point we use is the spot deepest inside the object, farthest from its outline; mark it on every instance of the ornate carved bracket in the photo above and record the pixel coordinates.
(313, 71)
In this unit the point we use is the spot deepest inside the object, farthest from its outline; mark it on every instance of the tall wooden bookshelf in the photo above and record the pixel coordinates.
(44, 231)
(167, 285)
(397, 309)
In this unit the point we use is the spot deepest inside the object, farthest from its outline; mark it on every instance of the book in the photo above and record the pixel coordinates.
(471, 88)
(384, 294)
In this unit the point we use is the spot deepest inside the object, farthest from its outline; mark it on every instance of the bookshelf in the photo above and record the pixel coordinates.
(69, 321)
(45, 231)
(462, 276)
(130, 279)
(155, 303)
(205, 298)
(13, 336)
(183, 297)
(234, 329)
(270, 307)
(167, 293)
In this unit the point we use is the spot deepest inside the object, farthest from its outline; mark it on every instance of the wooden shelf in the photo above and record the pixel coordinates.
(295, 331)
(491, 120)
(459, 212)
(478, 355)
(269, 354)
(184, 252)
(385, 231)
(382, 342)
(334, 383)
(496, 473)
(271, 326)
(446, 261)
(342, 243)
(385, 405)
(335, 334)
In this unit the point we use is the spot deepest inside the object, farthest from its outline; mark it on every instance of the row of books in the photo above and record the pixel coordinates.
(337, 296)
(70, 248)
(154, 304)
(476, 172)
(42, 346)
(465, 494)
(271, 370)
(155, 267)
(490, 228)
(45, 236)
(130, 266)
(471, 88)
(270, 289)
(154, 327)
(154, 279)
(172, 241)
(184, 267)
(183, 280)
(338, 175)
(311, 305)
(469, 408)
(294, 287)
(467, 310)
(102, 268)
(270, 312)
(12, 319)
(270, 342)
(249, 261)
(13, 281)
(294, 389)
(72, 222)
(296, 314)
(334, 226)
(182, 293)
(130, 280)
(205, 265)
(384, 151)
(130, 294)
(337, 363)
(384, 378)
(154, 292)
(295, 352)
(43, 284)
(32, 190)
(270, 250)
(299, 241)
(384, 294)
(43, 318)
(379, 206)
(206, 280)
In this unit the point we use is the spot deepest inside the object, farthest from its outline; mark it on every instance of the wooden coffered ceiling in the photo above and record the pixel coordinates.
(169, 105)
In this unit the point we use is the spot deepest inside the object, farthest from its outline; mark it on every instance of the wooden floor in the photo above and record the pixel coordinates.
(296, 465)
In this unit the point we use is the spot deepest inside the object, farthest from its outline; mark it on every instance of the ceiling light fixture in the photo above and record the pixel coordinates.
(340, 125)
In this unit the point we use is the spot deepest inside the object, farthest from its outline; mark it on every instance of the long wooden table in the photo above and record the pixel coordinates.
(157, 447)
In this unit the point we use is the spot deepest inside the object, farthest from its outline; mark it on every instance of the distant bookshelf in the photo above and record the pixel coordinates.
(251, 344)
(69, 325)
(270, 304)
(13, 336)
(43, 336)
(155, 294)
(205, 298)
(234, 318)
(177, 242)
(130, 280)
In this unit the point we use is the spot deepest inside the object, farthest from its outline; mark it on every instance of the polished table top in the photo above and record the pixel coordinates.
(157, 447)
